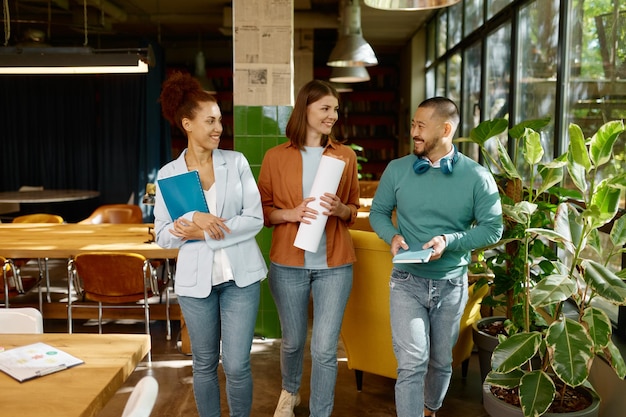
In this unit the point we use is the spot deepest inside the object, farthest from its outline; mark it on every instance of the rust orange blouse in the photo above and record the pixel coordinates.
(280, 184)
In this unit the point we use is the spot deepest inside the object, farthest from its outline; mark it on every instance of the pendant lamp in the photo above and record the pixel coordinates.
(351, 49)
(409, 5)
(349, 75)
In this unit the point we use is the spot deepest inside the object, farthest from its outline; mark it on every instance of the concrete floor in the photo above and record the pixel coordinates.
(172, 369)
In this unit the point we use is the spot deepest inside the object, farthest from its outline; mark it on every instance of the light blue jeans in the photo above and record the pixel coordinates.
(425, 317)
(291, 289)
(228, 313)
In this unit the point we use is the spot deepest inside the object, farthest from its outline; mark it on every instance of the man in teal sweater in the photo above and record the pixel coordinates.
(447, 202)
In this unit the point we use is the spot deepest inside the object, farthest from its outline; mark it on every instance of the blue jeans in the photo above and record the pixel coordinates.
(425, 317)
(291, 289)
(228, 313)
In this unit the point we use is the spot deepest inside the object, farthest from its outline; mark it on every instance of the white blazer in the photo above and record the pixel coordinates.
(238, 201)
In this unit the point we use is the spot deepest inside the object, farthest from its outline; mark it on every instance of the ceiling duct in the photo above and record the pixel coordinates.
(351, 50)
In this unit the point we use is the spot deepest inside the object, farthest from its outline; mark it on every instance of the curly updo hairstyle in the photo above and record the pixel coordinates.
(180, 98)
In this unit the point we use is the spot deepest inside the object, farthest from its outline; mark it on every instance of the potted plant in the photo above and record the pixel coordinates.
(537, 365)
(508, 259)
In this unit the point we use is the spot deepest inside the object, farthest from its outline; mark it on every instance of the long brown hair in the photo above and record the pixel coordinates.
(180, 98)
(309, 93)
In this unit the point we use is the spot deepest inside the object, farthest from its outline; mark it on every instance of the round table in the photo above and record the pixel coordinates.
(46, 196)
(72, 205)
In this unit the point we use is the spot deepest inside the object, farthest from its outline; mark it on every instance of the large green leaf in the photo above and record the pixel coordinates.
(520, 212)
(599, 327)
(616, 359)
(607, 199)
(505, 161)
(618, 232)
(508, 380)
(602, 142)
(604, 282)
(487, 130)
(552, 289)
(577, 151)
(536, 393)
(515, 351)
(577, 173)
(551, 175)
(533, 151)
(571, 351)
(517, 131)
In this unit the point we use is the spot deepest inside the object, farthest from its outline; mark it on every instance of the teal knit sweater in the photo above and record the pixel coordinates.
(463, 206)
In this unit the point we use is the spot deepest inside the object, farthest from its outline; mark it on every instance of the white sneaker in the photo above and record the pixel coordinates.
(286, 403)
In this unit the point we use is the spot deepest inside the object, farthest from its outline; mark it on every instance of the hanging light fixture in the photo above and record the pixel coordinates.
(200, 74)
(70, 60)
(349, 75)
(351, 49)
(81, 60)
(409, 5)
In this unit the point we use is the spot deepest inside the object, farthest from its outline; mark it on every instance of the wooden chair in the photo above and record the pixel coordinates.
(16, 285)
(132, 214)
(115, 213)
(42, 263)
(110, 280)
(21, 320)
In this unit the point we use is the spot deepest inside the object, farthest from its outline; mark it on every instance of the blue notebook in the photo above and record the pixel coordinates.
(412, 256)
(183, 193)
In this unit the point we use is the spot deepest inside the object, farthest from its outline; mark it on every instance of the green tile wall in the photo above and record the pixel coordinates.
(258, 128)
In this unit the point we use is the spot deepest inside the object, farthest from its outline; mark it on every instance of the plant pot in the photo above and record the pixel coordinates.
(495, 407)
(485, 343)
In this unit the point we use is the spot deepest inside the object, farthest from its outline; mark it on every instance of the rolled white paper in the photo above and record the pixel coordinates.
(326, 181)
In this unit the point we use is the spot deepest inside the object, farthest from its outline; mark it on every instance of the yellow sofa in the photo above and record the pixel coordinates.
(366, 328)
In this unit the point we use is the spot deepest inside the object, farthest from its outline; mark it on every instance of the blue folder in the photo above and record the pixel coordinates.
(183, 193)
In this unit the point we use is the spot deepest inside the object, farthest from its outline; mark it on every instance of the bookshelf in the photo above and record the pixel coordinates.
(369, 117)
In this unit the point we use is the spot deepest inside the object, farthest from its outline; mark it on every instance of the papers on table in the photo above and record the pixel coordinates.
(412, 256)
(35, 360)
(326, 181)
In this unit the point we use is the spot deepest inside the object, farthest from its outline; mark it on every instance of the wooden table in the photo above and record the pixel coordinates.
(46, 196)
(37, 240)
(79, 391)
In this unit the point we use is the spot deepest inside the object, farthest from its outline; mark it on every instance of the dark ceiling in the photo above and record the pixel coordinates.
(119, 23)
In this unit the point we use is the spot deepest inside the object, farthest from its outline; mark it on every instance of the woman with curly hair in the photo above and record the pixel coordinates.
(220, 265)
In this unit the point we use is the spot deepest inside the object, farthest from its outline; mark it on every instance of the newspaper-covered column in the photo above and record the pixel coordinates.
(263, 45)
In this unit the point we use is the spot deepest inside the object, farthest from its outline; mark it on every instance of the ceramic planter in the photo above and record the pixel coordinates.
(485, 344)
(495, 407)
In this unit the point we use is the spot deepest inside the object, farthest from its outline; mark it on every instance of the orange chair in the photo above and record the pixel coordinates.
(111, 280)
(115, 213)
(43, 269)
(131, 214)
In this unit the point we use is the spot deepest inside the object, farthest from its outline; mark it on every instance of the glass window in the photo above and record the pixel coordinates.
(494, 6)
(440, 82)
(454, 79)
(473, 15)
(596, 92)
(455, 24)
(431, 43)
(470, 117)
(498, 74)
(430, 82)
(537, 64)
(442, 32)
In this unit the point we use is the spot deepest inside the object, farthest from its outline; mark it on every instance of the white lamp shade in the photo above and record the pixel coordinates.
(409, 4)
(349, 75)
